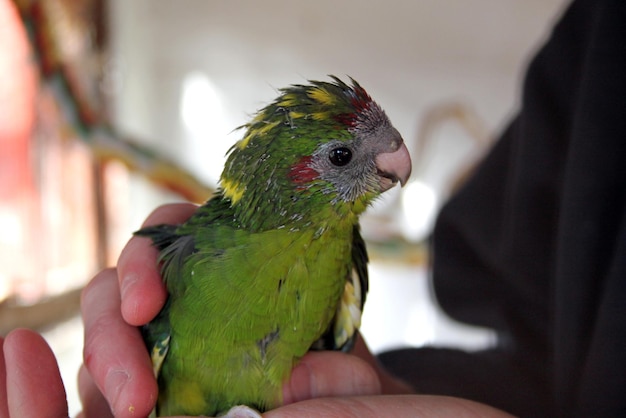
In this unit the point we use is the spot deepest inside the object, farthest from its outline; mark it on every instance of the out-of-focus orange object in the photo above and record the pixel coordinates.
(17, 78)
(18, 194)
(56, 147)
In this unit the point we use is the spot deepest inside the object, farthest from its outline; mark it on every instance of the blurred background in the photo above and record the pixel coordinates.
(136, 106)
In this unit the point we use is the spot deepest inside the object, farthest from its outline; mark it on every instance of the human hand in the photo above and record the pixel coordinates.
(118, 365)
(30, 366)
(122, 371)
(36, 390)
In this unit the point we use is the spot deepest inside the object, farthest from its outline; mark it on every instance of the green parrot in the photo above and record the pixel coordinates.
(274, 264)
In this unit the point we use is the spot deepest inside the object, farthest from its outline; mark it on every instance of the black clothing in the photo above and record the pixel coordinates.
(534, 245)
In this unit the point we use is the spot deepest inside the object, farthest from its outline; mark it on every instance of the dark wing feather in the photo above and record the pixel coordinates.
(173, 249)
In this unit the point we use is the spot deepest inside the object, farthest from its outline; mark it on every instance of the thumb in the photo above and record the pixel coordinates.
(330, 373)
(388, 405)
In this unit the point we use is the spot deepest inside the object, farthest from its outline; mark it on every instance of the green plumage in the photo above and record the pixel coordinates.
(273, 265)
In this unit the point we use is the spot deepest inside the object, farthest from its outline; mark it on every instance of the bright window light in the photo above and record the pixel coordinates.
(419, 205)
(202, 117)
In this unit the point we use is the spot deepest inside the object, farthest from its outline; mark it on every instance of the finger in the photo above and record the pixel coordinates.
(114, 352)
(94, 404)
(36, 387)
(390, 385)
(142, 290)
(328, 373)
(4, 406)
(387, 406)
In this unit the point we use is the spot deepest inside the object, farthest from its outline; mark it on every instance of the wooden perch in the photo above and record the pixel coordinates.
(41, 315)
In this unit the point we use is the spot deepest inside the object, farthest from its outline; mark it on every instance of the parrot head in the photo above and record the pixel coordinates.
(319, 149)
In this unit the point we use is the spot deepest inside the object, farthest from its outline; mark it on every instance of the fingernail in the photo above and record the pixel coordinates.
(128, 281)
(129, 306)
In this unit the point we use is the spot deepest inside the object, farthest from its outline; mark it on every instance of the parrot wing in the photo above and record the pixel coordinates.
(341, 334)
(173, 250)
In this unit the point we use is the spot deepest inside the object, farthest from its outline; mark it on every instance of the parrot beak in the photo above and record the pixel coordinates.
(394, 167)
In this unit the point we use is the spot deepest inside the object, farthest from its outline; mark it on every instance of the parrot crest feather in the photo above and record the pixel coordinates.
(313, 147)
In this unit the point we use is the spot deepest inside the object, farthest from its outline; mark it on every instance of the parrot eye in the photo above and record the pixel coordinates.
(340, 156)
